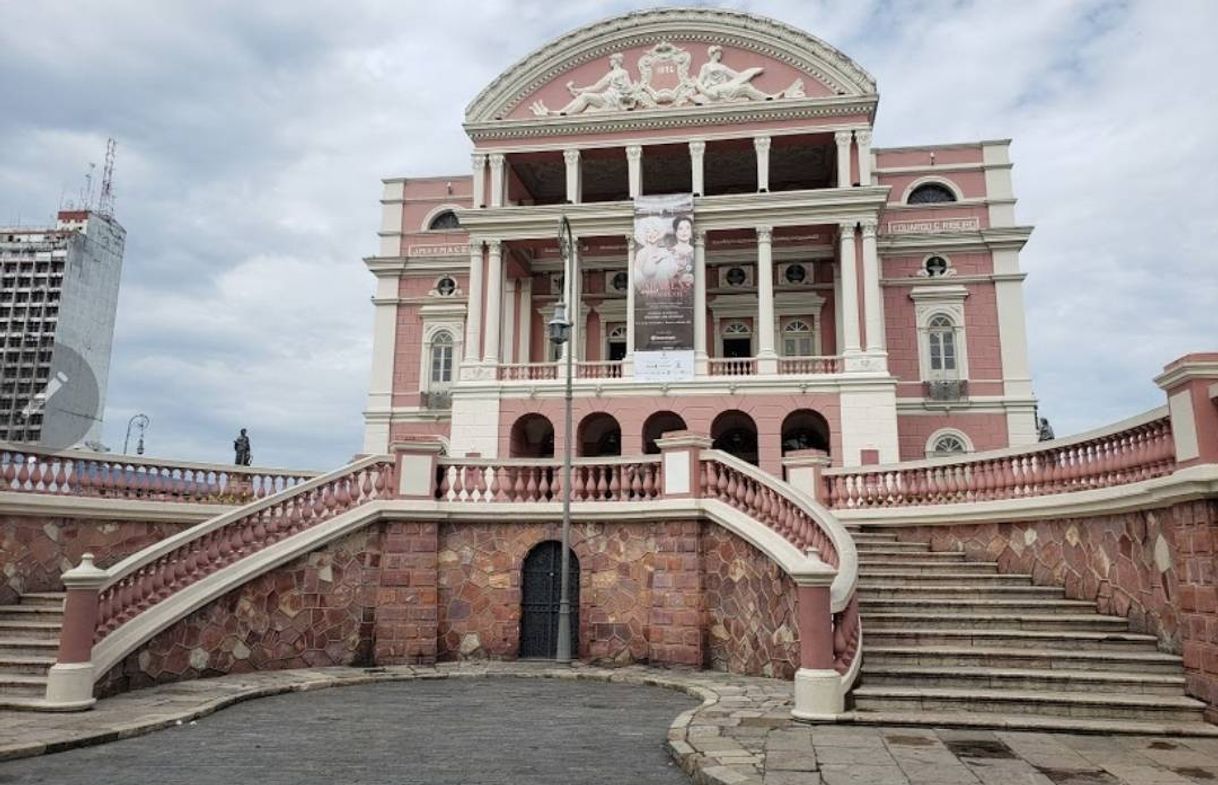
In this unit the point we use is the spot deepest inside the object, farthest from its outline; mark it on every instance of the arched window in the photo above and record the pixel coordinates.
(942, 334)
(737, 340)
(931, 193)
(948, 444)
(444, 221)
(442, 358)
(797, 339)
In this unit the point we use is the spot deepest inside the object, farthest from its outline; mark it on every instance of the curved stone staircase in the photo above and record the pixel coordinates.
(947, 641)
(29, 638)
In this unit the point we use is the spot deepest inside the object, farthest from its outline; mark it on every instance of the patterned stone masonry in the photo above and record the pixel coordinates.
(677, 599)
(1155, 567)
(35, 551)
(750, 607)
(406, 596)
(309, 613)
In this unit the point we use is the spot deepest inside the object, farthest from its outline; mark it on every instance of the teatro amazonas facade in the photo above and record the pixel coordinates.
(749, 266)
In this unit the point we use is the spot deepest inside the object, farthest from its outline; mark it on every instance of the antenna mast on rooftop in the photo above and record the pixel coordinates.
(105, 203)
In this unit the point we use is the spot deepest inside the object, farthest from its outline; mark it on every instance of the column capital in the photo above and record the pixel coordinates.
(765, 234)
(761, 143)
(863, 136)
(497, 159)
(571, 156)
(494, 246)
(846, 229)
(843, 138)
(699, 238)
(475, 245)
(697, 147)
(869, 226)
(634, 152)
(479, 160)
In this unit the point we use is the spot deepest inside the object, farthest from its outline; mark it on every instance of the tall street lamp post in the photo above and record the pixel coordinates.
(560, 333)
(140, 422)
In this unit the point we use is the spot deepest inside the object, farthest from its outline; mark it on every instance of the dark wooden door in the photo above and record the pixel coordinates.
(540, 595)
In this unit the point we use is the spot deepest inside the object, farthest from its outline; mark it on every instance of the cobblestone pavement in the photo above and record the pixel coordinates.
(727, 730)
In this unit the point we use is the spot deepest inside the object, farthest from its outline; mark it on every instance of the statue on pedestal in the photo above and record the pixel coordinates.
(241, 446)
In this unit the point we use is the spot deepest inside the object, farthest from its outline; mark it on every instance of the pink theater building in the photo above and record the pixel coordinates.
(860, 300)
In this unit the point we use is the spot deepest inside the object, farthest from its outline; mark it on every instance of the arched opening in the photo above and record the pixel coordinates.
(656, 426)
(541, 593)
(804, 429)
(931, 193)
(599, 436)
(532, 437)
(445, 221)
(941, 333)
(734, 432)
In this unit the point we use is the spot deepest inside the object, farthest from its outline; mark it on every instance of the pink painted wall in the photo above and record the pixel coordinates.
(988, 431)
(893, 158)
(971, 184)
(980, 328)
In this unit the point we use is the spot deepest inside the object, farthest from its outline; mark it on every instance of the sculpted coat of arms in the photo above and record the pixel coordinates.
(664, 80)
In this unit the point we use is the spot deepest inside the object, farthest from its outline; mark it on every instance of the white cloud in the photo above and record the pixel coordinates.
(253, 138)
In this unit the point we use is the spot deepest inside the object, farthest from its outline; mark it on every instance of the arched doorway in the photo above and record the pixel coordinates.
(599, 435)
(656, 426)
(805, 429)
(735, 432)
(541, 591)
(532, 437)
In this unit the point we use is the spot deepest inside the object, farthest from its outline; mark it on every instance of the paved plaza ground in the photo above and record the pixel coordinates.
(536, 724)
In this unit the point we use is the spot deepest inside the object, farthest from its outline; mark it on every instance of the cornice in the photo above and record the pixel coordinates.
(762, 35)
(994, 238)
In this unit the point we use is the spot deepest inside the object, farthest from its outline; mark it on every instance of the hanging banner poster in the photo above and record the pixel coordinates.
(663, 281)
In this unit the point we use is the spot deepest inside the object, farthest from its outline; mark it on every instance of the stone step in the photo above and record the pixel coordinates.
(30, 613)
(1015, 657)
(1029, 722)
(873, 537)
(25, 664)
(915, 578)
(30, 629)
(868, 565)
(23, 686)
(1104, 641)
(885, 546)
(1095, 705)
(1025, 679)
(872, 589)
(973, 604)
(28, 647)
(923, 555)
(1092, 622)
(45, 599)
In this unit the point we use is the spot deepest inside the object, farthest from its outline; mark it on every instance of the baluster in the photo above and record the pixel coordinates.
(651, 486)
(543, 485)
(602, 486)
(615, 482)
(496, 487)
(636, 481)
(530, 488)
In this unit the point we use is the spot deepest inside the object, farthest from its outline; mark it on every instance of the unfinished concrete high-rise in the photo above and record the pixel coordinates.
(58, 298)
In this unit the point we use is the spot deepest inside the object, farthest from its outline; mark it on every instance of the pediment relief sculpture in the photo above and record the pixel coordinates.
(664, 80)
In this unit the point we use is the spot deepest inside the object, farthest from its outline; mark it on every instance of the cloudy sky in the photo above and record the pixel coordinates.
(253, 136)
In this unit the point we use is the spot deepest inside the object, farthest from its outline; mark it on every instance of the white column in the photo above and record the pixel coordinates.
(524, 348)
(873, 296)
(380, 388)
(498, 164)
(479, 160)
(850, 291)
(473, 311)
(494, 301)
(762, 145)
(863, 139)
(697, 151)
(634, 169)
(630, 296)
(571, 158)
(509, 321)
(843, 157)
(838, 334)
(700, 355)
(766, 356)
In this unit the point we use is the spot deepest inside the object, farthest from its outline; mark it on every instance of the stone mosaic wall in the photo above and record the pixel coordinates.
(1156, 567)
(36, 550)
(750, 609)
(661, 592)
(313, 612)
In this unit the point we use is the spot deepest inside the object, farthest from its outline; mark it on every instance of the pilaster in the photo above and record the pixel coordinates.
(498, 181)
(761, 145)
(843, 140)
(634, 169)
(479, 161)
(384, 350)
(574, 180)
(697, 153)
